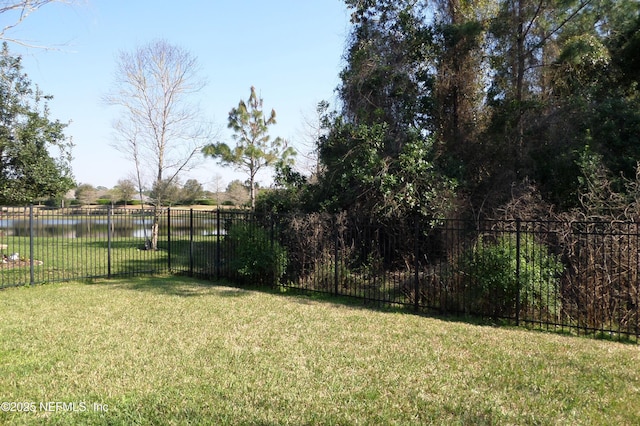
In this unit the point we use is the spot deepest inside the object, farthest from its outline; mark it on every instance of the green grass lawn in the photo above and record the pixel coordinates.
(60, 259)
(179, 351)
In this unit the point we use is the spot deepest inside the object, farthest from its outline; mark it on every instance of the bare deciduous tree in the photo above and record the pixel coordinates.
(17, 11)
(161, 127)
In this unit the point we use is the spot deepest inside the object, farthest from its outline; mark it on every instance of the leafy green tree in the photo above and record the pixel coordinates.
(237, 193)
(289, 194)
(521, 36)
(191, 191)
(86, 194)
(378, 156)
(626, 47)
(125, 190)
(27, 137)
(481, 96)
(459, 35)
(165, 192)
(594, 104)
(254, 149)
(386, 77)
(362, 178)
(530, 132)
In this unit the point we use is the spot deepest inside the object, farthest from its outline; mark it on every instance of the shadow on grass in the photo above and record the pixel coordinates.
(184, 286)
(305, 296)
(170, 285)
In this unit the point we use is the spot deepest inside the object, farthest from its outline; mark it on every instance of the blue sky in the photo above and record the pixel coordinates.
(290, 50)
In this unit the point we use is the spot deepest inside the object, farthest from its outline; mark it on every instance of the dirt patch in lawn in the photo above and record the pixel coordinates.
(19, 264)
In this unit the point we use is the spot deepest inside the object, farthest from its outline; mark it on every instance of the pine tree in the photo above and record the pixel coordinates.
(254, 149)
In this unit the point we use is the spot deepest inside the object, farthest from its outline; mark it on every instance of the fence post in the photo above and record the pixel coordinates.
(109, 225)
(218, 243)
(272, 238)
(336, 258)
(31, 271)
(416, 265)
(191, 242)
(169, 239)
(518, 224)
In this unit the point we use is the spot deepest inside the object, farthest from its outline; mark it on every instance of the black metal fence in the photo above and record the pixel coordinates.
(579, 277)
(39, 245)
(575, 277)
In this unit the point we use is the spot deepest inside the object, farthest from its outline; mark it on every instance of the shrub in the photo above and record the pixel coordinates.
(254, 256)
(490, 280)
(53, 202)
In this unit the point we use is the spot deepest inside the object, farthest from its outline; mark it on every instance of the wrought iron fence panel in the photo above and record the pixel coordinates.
(582, 277)
(554, 275)
(47, 245)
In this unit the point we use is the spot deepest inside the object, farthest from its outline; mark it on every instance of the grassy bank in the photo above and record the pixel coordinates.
(177, 351)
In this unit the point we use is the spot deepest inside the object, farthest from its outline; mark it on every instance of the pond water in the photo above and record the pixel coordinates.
(66, 227)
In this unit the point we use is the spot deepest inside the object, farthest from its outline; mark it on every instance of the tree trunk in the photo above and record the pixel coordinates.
(252, 189)
(520, 68)
(155, 228)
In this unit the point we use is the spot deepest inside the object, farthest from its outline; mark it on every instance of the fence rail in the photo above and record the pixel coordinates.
(580, 277)
(576, 277)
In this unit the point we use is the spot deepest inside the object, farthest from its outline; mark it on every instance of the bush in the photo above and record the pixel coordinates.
(53, 202)
(256, 257)
(490, 280)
